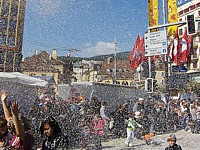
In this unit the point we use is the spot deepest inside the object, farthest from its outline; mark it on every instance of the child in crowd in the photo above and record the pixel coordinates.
(5, 135)
(132, 125)
(99, 125)
(54, 139)
(17, 126)
(172, 143)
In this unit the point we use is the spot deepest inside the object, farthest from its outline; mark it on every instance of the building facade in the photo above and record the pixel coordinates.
(191, 7)
(43, 64)
(12, 14)
(87, 71)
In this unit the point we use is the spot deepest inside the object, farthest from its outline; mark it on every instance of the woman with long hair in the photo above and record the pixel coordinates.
(54, 138)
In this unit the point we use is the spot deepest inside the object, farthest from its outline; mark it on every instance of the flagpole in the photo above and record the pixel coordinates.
(115, 72)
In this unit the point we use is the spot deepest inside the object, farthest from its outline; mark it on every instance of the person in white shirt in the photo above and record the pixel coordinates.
(102, 113)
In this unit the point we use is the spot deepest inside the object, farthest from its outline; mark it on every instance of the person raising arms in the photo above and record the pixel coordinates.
(17, 126)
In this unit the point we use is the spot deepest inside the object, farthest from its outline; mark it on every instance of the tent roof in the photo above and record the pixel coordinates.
(17, 77)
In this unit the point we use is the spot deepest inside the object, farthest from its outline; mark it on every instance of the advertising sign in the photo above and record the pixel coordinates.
(182, 2)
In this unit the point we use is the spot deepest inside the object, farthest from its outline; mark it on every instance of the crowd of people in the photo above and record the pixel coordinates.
(56, 124)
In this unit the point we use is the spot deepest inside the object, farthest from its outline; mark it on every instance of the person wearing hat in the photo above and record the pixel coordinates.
(172, 143)
(138, 105)
(132, 125)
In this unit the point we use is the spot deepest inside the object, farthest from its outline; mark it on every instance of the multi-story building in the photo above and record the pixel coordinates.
(124, 74)
(78, 71)
(86, 71)
(191, 7)
(11, 34)
(44, 64)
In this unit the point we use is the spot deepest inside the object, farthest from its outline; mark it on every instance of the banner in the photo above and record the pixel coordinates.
(153, 13)
(172, 16)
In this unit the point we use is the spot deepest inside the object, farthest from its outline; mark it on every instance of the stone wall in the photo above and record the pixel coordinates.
(112, 94)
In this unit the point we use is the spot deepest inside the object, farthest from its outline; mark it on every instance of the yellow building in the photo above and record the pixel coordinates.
(43, 64)
(124, 74)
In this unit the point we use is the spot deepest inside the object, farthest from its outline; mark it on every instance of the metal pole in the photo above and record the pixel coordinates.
(164, 14)
(115, 72)
(139, 74)
(149, 61)
(166, 57)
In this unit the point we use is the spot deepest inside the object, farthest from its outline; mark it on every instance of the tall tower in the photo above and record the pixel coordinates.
(12, 14)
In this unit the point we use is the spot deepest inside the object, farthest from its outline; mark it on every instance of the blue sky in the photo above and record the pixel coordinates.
(87, 25)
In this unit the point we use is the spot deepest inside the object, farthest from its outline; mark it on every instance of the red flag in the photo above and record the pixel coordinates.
(142, 51)
(176, 52)
(184, 42)
(136, 44)
(134, 55)
(190, 49)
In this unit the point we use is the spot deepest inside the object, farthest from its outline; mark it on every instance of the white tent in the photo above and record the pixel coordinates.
(22, 88)
(16, 77)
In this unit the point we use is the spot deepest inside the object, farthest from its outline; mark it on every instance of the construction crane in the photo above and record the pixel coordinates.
(69, 54)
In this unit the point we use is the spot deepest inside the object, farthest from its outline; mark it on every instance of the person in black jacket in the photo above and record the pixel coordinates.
(172, 143)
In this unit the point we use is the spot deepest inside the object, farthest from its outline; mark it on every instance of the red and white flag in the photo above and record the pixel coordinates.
(141, 50)
(184, 50)
(176, 49)
(134, 55)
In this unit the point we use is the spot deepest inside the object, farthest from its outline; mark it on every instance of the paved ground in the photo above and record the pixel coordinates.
(187, 140)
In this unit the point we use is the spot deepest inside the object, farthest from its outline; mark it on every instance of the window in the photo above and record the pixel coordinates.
(198, 4)
(199, 50)
(180, 31)
(198, 26)
(1, 56)
(180, 13)
(186, 10)
(117, 82)
(195, 53)
(132, 84)
(124, 83)
(199, 13)
(192, 7)
(195, 65)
